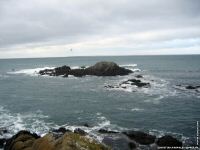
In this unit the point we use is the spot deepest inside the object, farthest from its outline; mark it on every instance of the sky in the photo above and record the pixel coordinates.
(61, 28)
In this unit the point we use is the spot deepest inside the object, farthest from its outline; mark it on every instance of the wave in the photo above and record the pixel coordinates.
(15, 122)
(128, 65)
(137, 109)
(30, 72)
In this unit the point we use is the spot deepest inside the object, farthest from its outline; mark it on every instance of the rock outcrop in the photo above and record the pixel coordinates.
(168, 140)
(141, 137)
(25, 140)
(99, 69)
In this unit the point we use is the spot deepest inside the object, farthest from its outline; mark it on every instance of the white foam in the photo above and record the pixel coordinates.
(128, 65)
(31, 72)
(137, 109)
(33, 122)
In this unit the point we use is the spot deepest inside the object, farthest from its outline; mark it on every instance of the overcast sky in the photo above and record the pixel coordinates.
(50, 28)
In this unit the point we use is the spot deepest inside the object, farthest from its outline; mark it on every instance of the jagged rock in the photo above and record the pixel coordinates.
(140, 137)
(168, 140)
(2, 142)
(21, 140)
(137, 83)
(80, 131)
(69, 141)
(61, 130)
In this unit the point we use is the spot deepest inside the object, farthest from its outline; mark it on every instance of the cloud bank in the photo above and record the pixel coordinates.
(49, 28)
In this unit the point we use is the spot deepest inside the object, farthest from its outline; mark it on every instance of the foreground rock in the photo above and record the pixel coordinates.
(141, 137)
(168, 140)
(69, 141)
(99, 69)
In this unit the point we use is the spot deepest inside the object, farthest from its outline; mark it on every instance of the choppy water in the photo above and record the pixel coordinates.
(39, 103)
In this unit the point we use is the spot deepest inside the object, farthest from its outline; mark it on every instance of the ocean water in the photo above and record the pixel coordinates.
(40, 103)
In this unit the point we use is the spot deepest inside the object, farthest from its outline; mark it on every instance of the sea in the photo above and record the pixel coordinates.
(39, 104)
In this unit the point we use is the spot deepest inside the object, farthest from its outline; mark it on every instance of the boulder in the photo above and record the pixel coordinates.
(107, 69)
(140, 137)
(20, 141)
(168, 140)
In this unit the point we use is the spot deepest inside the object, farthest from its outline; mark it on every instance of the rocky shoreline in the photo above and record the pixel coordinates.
(78, 139)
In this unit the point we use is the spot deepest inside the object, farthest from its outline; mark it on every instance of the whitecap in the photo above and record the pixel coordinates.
(33, 122)
(128, 65)
(137, 109)
(31, 72)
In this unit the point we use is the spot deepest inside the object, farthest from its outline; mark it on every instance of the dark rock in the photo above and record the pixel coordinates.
(2, 142)
(104, 131)
(139, 76)
(109, 86)
(119, 142)
(190, 87)
(17, 142)
(140, 137)
(86, 125)
(80, 131)
(3, 131)
(62, 70)
(99, 69)
(137, 83)
(78, 72)
(61, 130)
(107, 69)
(168, 140)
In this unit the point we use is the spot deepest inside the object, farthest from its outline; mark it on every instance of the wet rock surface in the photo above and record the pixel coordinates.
(168, 141)
(99, 69)
(65, 139)
(141, 137)
(25, 140)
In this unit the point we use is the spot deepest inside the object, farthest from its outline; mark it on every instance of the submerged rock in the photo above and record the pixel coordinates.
(99, 69)
(141, 137)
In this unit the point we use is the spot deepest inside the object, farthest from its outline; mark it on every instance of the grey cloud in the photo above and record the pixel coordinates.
(34, 21)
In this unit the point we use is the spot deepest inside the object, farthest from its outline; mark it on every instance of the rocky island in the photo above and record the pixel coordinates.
(99, 69)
